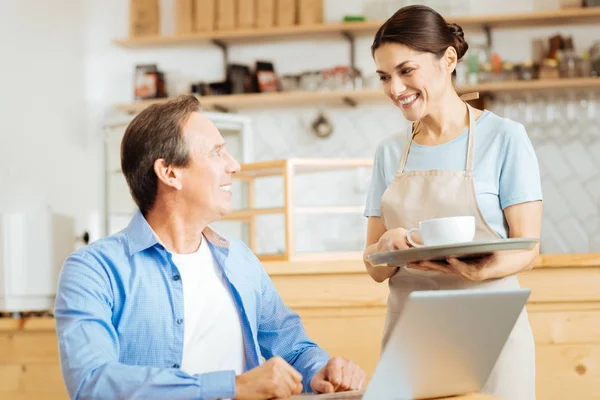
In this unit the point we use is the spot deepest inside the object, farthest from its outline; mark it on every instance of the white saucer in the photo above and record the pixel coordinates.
(460, 250)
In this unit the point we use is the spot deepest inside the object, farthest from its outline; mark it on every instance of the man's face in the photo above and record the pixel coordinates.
(206, 181)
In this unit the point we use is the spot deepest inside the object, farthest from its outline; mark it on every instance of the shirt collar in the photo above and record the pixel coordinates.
(140, 236)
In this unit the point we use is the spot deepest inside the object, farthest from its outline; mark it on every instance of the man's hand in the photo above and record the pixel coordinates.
(339, 375)
(275, 379)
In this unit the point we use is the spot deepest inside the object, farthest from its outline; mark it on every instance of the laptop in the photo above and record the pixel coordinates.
(445, 343)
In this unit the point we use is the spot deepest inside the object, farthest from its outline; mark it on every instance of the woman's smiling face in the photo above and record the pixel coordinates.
(415, 81)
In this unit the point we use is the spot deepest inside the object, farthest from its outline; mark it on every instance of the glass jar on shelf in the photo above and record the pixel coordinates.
(526, 71)
(508, 71)
(584, 65)
(473, 70)
(496, 72)
(566, 63)
(595, 58)
(549, 69)
(485, 72)
(462, 72)
(476, 56)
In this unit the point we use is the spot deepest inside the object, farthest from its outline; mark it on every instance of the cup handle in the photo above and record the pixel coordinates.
(409, 239)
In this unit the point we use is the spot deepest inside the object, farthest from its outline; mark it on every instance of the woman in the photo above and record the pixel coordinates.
(458, 161)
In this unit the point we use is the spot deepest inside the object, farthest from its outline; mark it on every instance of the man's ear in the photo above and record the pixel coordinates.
(168, 174)
(450, 59)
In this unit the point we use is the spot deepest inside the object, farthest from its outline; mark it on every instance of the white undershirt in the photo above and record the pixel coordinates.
(212, 339)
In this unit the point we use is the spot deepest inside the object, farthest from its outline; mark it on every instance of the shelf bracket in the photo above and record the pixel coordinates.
(349, 101)
(351, 42)
(219, 108)
(223, 46)
(488, 35)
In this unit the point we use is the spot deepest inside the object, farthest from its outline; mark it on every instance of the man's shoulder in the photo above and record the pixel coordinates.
(95, 266)
(102, 250)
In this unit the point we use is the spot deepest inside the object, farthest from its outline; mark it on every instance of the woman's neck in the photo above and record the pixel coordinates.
(444, 122)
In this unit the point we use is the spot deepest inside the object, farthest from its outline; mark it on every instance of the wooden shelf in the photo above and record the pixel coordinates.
(567, 16)
(329, 210)
(538, 84)
(287, 99)
(249, 213)
(263, 169)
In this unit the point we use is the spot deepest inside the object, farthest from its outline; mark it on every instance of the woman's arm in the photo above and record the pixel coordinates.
(375, 229)
(524, 221)
(380, 240)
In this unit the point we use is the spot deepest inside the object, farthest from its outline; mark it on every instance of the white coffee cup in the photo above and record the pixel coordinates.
(443, 231)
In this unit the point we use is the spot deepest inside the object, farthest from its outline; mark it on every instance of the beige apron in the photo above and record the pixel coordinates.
(419, 195)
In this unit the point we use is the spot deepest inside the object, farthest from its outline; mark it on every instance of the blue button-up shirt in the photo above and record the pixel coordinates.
(117, 310)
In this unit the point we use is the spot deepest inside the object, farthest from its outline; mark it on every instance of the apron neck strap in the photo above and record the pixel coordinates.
(470, 144)
(413, 131)
(471, 140)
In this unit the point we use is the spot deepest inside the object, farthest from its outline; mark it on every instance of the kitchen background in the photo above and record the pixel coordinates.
(68, 76)
(64, 75)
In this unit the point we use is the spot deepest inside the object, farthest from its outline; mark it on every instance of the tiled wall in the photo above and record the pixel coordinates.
(565, 135)
(565, 130)
(286, 133)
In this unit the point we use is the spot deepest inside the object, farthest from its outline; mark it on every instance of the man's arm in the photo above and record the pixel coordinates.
(281, 333)
(89, 346)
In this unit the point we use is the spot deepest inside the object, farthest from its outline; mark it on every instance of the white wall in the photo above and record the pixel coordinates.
(47, 153)
(61, 74)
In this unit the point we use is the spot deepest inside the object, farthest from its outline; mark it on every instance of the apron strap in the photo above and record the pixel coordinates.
(407, 148)
(471, 140)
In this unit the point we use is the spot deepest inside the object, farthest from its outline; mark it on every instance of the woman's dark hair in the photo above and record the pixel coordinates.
(421, 29)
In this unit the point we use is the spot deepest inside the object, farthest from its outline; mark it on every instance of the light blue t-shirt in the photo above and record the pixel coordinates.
(506, 169)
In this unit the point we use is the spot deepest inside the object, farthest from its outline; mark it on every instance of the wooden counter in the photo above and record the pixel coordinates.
(343, 310)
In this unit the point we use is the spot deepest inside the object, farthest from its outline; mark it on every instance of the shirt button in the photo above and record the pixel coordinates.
(176, 277)
(175, 365)
(180, 321)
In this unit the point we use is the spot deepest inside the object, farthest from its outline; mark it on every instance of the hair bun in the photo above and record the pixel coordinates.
(459, 39)
(456, 30)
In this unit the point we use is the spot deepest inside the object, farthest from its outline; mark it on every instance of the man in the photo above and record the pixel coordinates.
(168, 308)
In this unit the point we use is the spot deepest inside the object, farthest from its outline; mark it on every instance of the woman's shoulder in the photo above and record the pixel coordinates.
(503, 129)
(392, 144)
(390, 149)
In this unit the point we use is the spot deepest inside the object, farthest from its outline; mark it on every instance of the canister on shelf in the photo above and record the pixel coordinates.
(496, 73)
(584, 65)
(526, 71)
(549, 69)
(567, 63)
(473, 75)
(485, 72)
(508, 71)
